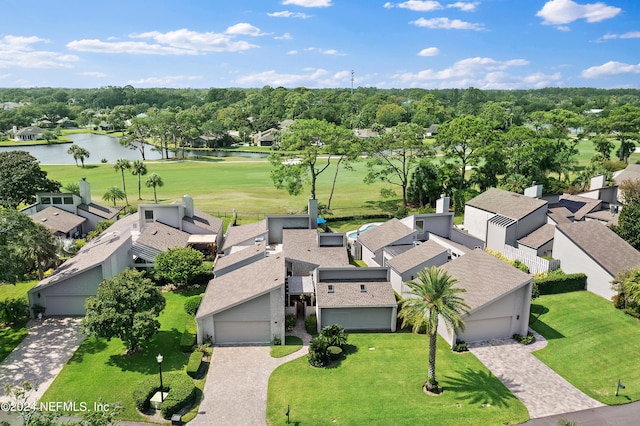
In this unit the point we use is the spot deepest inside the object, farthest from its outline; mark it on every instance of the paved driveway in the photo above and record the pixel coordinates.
(236, 389)
(540, 389)
(42, 354)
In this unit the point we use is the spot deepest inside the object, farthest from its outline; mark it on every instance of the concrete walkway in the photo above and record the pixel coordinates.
(42, 354)
(540, 389)
(236, 389)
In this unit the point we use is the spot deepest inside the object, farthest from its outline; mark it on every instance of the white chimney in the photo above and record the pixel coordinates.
(85, 191)
(187, 202)
(313, 213)
(597, 182)
(534, 191)
(442, 204)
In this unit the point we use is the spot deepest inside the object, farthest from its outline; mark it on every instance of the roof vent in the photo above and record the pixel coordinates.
(330, 288)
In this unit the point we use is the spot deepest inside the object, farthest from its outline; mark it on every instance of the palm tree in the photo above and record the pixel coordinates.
(121, 165)
(40, 247)
(73, 149)
(138, 168)
(431, 298)
(81, 153)
(154, 180)
(114, 193)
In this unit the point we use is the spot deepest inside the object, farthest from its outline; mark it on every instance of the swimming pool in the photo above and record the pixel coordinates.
(364, 228)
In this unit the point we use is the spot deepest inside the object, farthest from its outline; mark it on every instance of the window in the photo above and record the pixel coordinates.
(363, 288)
(57, 200)
(68, 200)
(148, 216)
(45, 200)
(330, 288)
(420, 226)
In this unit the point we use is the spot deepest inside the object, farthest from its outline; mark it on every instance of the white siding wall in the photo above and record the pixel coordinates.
(277, 313)
(368, 257)
(574, 260)
(475, 221)
(531, 222)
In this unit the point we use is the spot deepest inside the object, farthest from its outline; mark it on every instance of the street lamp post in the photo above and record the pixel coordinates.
(159, 358)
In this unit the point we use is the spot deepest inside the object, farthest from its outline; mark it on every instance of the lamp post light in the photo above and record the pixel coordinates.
(159, 358)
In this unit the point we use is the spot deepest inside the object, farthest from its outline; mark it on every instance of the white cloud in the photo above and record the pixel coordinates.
(287, 14)
(332, 52)
(630, 34)
(557, 12)
(18, 51)
(486, 73)
(4, 76)
(179, 42)
(172, 80)
(312, 78)
(429, 51)
(96, 74)
(292, 52)
(308, 3)
(611, 68)
(464, 6)
(244, 29)
(563, 28)
(447, 24)
(416, 5)
(285, 36)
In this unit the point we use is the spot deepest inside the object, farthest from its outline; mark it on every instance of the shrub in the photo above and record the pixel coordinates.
(187, 341)
(311, 324)
(290, 321)
(525, 340)
(560, 283)
(460, 346)
(192, 304)
(335, 352)
(318, 352)
(276, 341)
(335, 335)
(181, 387)
(205, 348)
(14, 310)
(195, 359)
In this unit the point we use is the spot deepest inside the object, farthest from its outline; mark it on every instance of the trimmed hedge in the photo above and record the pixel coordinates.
(561, 284)
(187, 341)
(181, 388)
(311, 324)
(192, 304)
(195, 359)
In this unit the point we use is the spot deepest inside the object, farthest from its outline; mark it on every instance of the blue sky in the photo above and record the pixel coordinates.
(488, 44)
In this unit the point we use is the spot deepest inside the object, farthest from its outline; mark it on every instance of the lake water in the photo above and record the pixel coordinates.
(100, 146)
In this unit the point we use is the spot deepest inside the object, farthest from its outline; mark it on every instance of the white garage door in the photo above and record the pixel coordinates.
(485, 329)
(242, 332)
(65, 305)
(357, 318)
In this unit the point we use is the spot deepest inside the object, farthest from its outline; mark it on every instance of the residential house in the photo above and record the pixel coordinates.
(594, 249)
(405, 262)
(498, 295)
(390, 233)
(61, 222)
(27, 134)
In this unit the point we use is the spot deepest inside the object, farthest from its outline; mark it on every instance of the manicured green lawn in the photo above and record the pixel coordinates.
(100, 368)
(380, 382)
(10, 337)
(291, 344)
(591, 344)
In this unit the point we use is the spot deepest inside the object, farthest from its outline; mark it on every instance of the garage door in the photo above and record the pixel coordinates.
(485, 329)
(65, 305)
(357, 318)
(242, 332)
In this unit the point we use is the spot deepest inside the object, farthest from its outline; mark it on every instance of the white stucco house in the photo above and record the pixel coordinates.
(405, 262)
(391, 233)
(498, 295)
(595, 250)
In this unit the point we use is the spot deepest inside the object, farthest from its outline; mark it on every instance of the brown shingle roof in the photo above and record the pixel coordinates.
(302, 245)
(603, 245)
(239, 234)
(559, 214)
(100, 210)
(223, 262)
(205, 221)
(385, 234)
(415, 256)
(484, 277)
(505, 203)
(243, 284)
(631, 172)
(578, 205)
(58, 220)
(539, 237)
(348, 294)
(162, 237)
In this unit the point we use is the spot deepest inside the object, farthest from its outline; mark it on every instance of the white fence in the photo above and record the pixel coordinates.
(536, 264)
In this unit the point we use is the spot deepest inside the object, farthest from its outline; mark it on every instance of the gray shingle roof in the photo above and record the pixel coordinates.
(416, 256)
(239, 234)
(539, 237)
(243, 284)
(58, 220)
(223, 262)
(348, 294)
(604, 216)
(385, 234)
(302, 245)
(100, 210)
(603, 245)
(162, 237)
(484, 277)
(559, 214)
(205, 221)
(505, 203)
(578, 205)
(631, 172)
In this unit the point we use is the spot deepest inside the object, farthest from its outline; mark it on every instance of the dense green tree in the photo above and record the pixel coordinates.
(390, 115)
(624, 123)
(431, 298)
(39, 248)
(136, 135)
(121, 165)
(114, 193)
(21, 178)
(425, 186)
(178, 265)
(153, 181)
(127, 307)
(629, 220)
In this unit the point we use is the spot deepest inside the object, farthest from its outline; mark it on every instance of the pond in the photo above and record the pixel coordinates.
(101, 146)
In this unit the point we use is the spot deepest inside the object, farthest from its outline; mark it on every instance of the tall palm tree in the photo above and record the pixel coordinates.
(81, 153)
(138, 168)
(121, 165)
(433, 297)
(114, 193)
(40, 247)
(154, 180)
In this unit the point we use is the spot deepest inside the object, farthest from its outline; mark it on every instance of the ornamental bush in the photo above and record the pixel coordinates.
(318, 352)
(565, 283)
(181, 392)
(335, 335)
(311, 324)
(192, 304)
(525, 340)
(193, 366)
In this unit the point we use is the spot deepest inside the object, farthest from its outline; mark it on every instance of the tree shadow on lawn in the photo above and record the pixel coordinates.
(478, 387)
(547, 331)
(165, 342)
(346, 351)
(91, 345)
